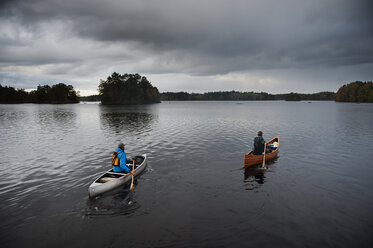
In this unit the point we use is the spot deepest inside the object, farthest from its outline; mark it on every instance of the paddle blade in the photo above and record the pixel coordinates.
(132, 186)
(133, 169)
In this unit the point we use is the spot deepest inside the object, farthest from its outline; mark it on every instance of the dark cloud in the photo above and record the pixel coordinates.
(192, 37)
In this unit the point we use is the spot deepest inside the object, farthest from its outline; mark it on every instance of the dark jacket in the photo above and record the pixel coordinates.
(259, 145)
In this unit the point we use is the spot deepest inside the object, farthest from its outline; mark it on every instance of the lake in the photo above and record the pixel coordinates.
(318, 192)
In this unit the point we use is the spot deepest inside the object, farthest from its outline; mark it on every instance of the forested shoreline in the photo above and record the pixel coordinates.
(355, 92)
(56, 94)
(130, 89)
(244, 96)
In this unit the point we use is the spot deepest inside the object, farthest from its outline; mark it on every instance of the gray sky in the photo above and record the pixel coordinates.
(192, 45)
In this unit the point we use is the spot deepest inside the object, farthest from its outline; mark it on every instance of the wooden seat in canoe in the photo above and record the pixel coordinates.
(106, 179)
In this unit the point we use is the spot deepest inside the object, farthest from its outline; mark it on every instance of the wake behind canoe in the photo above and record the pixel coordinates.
(111, 180)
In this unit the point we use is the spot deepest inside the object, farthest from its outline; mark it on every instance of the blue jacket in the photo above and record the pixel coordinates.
(122, 162)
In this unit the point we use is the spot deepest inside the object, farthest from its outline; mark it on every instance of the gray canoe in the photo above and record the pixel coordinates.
(111, 180)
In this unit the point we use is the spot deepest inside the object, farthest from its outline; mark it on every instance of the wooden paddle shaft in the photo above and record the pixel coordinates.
(264, 155)
(133, 169)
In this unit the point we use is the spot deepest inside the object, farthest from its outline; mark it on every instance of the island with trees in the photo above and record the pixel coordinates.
(127, 89)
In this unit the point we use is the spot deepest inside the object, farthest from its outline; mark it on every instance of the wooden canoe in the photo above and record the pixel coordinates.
(250, 159)
(111, 180)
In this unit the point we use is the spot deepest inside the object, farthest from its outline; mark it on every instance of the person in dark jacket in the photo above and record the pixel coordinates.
(122, 167)
(259, 143)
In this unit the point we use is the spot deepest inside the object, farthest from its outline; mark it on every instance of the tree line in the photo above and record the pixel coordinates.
(135, 89)
(218, 96)
(92, 98)
(56, 94)
(244, 96)
(321, 96)
(116, 89)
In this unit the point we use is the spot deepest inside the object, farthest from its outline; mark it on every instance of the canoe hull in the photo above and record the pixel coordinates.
(251, 160)
(102, 184)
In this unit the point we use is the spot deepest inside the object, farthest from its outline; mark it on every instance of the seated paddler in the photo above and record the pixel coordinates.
(120, 160)
(259, 144)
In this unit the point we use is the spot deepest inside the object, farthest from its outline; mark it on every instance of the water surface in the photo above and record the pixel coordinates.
(194, 193)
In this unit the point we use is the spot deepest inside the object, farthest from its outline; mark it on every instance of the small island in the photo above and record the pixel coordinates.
(127, 89)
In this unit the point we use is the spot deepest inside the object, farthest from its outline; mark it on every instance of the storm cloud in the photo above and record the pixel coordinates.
(273, 46)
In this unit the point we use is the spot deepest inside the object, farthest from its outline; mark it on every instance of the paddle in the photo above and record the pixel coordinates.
(133, 169)
(264, 158)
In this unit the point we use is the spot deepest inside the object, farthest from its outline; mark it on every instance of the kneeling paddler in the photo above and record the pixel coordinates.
(120, 159)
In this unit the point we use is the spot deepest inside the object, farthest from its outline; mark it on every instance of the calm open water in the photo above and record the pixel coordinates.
(194, 192)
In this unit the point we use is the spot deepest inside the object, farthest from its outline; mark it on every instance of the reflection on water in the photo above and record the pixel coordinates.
(60, 117)
(130, 122)
(254, 176)
(254, 173)
(10, 115)
(126, 119)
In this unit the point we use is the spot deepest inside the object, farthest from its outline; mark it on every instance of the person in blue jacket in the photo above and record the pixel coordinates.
(120, 166)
